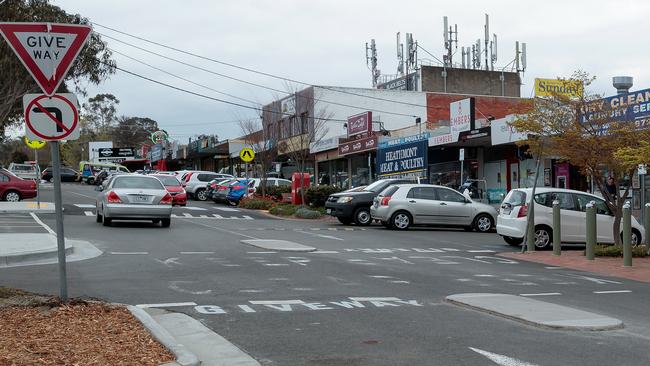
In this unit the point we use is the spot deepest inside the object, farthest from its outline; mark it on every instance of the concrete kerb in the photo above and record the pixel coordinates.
(184, 356)
(26, 207)
(531, 312)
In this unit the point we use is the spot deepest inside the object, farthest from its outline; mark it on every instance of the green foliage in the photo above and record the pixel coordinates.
(617, 251)
(305, 213)
(19, 156)
(284, 209)
(316, 196)
(257, 203)
(274, 191)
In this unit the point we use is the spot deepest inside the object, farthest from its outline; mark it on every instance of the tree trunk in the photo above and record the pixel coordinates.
(616, 229)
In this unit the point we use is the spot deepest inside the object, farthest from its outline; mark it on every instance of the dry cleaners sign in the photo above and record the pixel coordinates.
(406, 160)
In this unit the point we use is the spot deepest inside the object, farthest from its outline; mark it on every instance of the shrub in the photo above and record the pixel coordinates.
(284, 209)
(316, 196)
(274, 191)
(257, 203)
(617, 251)
(305, 213)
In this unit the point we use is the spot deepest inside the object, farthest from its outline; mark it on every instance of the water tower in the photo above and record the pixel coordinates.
(622, 84)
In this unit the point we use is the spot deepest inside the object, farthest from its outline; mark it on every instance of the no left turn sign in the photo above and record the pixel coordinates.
(51, 118)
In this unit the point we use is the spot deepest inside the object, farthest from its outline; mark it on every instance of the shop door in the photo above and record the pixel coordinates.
(495, 180)
(514, 175)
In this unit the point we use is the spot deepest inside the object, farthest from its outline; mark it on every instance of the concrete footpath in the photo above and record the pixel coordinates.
(26, 207)
(575, 259)
(209, 348)
(19, 249)
(534, 312)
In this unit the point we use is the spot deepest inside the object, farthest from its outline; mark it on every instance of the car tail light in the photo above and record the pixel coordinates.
(523, 211)
(188, 176)
(222, 188)
(167, 199)
(213, 185)
(113, 197)
(236, 188)
(384, 200)
(251, 190)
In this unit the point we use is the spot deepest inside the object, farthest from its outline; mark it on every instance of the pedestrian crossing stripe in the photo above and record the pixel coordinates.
(84, 205)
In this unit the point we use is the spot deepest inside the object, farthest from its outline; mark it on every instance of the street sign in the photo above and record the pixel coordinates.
(642, 169)
(158, 137)
(51, 118)
(34, 144)
(461, 154)
(47, 50)
(247, 155)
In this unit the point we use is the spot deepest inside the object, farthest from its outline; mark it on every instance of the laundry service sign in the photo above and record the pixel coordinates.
(403, 160)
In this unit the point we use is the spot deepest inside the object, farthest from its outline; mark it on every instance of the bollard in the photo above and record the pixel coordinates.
(627, 235)
(646, 224)
(530, 233)
(591, 230)
(557, 229)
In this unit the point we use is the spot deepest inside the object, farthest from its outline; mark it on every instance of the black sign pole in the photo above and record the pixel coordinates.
(58, 208)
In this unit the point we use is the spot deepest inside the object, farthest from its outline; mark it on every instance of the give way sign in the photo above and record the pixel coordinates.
(51, 118)
(46, 49)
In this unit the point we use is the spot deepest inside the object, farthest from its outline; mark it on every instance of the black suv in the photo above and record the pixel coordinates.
(351, 207)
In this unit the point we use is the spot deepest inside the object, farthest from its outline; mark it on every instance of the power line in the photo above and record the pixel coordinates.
(252, 70)
(237, 79)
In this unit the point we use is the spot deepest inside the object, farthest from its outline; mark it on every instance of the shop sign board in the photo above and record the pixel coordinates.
(359, 124)
(405, 160)
(288, 106)
(555, 87)
(404, 140)
(360, 145)
(156, 152)
(631, 107)
(461, 116)
(503, 133)
(324, 145)
(119, 152)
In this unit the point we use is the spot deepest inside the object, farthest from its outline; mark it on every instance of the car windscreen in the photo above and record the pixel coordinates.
(169, 181)
(377, 186)
(137, 183)
(516, 198)
(24, 168)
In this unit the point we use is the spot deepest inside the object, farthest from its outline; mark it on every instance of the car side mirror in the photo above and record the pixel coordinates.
(99, 188)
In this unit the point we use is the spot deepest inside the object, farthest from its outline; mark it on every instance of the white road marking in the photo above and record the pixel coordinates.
(84, 205)
(451, 249)
(174, 285)
(382, 276)
(217, 216)
(329, 237)
(278, 279)
(82, 195)
(612, 292)
(186, 214)
(400, 281)
(501, 359)
(166, 305)
(464, 279)
(261, 252)
(197, 252)
(375, 298)
(276, 302)
(203, 216)
(325, 252)
(553, 267)
(128, 253)
(226, 209)
(89, 213)
(275, 264)
(302, 289)
(49, 230)
(168, 262)
(247, 217)
(252, 291)
(484, 275)
(542, 294)
(600, 281)
(224, 230)
(195, 208)
(481, 251)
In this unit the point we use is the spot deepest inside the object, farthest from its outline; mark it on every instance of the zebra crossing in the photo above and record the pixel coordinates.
(188, 212)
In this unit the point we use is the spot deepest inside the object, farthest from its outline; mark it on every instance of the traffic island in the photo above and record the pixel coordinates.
(534, 312)
(279, 245)
(574, 259)
(36, 249)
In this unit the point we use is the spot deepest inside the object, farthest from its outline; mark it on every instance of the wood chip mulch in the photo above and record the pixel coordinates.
(39, 330)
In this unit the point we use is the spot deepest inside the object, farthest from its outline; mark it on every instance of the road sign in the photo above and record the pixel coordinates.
(642, 169)
(247, 155)
(159, 137)
(46, 49)
(461, 155)
(34, 144)
(51, 118)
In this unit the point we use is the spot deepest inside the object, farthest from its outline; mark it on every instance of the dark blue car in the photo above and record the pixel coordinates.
(241, 188)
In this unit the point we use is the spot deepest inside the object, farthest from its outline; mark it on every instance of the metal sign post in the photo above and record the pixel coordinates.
(58, 208)
(38, 180)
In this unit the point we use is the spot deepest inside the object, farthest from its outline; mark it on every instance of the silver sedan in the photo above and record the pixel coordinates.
(134, 197)
(400, 206)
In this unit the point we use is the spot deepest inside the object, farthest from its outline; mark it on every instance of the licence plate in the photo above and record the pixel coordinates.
(329, 211)
(141, 198)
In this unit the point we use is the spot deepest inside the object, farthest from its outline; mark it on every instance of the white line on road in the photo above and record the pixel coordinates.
(481, 251)
(484, 275)
(261, 252)
(451, 249)
(84, 205)
(276, 302)
(49, 230)
(197, 252)
(166, 305)
(553, 267)
(226, 209)
(612, 292)
(542, 294)
(275, 264)
(82, 195)
(375, 298)
(329, 237)
(89, 213)
(224, 230)
(195, 208)
(325, 252)
(128, 253)
(501, 359)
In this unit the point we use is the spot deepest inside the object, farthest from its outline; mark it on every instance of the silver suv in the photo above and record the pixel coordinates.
(400, 206)
(196, 182)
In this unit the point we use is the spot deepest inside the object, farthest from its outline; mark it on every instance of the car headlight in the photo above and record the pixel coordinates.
(344, 199)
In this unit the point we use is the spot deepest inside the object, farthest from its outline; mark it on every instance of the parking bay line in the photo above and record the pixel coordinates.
(613, 292)
(542, 294)
(49, 229)
(196, 252)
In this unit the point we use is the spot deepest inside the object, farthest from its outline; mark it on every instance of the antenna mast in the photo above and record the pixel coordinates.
(400, 55)
(451, 38)
(371, 61)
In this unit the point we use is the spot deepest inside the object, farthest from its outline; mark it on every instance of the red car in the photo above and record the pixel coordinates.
(174, 187)
(14, 189)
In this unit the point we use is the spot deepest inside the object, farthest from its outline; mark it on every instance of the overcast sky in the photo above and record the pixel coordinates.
(322, 42)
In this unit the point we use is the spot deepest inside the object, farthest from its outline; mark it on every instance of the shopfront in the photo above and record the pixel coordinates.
(404, 157)
(361, 156)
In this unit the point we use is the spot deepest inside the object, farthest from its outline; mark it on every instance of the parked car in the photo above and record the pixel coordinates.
(220, 191)
(511, 222)
(174, 187)
(134, 197)
(90, 170)
(270, 182)
(14, 188)
(25, 171)
(67, 175)
(354, 206)
(403, 205)
(213, 185)
(239, 189)
(196, 182)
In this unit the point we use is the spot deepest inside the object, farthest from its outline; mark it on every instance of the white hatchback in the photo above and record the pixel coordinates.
(511, 221)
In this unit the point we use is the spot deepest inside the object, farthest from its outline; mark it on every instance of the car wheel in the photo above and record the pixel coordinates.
(543, 237)
(636, 238)
(201, 195)
(401, 220)
(106, 221)
(345, 220)
(483, 223)
(166, 222)
(233, 203)
(90, 181)
(51, 179)
(513, 241)
(98, 217)
(362, 216)
(12, 196)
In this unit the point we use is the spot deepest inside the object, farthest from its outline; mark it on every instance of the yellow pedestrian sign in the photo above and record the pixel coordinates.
(34, 144)
(247, 155)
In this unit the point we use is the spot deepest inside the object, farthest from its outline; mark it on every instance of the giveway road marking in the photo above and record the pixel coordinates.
(501, 359)
(195, 208)
(166, 305)
(292, 305)
(226, 209)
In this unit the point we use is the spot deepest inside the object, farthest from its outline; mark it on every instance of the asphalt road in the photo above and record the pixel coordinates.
(368, 296)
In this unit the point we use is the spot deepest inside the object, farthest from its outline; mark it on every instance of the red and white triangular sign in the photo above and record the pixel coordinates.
(46, 49)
